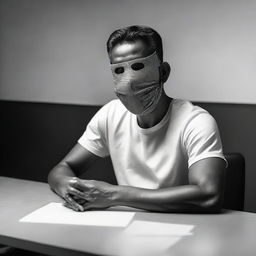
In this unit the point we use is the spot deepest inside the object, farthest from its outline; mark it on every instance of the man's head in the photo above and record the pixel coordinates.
(149, 37)
(136, 58)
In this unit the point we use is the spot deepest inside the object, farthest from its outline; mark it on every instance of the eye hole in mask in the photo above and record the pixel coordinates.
(119, 70)
(137, 66)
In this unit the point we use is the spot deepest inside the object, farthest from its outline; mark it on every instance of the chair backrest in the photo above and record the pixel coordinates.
(235, 182)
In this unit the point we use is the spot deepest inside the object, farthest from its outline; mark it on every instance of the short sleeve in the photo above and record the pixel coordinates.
(94, 138)
(201, 138)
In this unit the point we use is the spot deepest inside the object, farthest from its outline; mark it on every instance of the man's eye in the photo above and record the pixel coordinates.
(119, 70)
(137, 66)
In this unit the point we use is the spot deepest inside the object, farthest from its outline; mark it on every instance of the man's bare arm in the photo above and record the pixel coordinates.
(204, 192)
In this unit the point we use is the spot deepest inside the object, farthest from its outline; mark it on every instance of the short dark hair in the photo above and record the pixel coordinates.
(132, 33)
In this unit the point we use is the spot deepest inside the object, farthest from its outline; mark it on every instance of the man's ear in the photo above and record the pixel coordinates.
(165, 71)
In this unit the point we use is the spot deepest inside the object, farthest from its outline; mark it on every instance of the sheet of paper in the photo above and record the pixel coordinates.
(56, 213)
(148, 228)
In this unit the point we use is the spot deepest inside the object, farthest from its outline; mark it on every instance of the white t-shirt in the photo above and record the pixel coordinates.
(155, 157)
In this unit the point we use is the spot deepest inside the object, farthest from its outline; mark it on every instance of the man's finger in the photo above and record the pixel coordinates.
(80, 201)
(88, 206)
(73, 203)
(77, 195)
(66, 204)
(75, 192)
(84, 185)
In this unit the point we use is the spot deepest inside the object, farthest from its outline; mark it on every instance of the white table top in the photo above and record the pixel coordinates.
(228, 233)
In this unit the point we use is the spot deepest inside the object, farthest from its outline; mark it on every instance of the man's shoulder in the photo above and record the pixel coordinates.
(115, 105)
(190, 114)
(194, 118)
(187, 108)
(113, 108)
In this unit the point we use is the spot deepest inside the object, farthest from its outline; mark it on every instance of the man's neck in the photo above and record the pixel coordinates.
(153, 118)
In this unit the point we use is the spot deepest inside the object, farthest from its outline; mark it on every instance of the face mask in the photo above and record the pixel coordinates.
(137, 83)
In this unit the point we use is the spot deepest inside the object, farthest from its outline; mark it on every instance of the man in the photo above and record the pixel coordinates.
(166, 153)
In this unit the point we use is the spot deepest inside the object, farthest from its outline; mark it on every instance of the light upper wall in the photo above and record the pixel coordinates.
(55, 50)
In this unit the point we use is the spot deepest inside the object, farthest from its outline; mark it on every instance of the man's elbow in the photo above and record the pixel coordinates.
(213, 202)
(213, 195)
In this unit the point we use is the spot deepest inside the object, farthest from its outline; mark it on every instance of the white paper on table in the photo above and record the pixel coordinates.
(56, 213)
(148, 228)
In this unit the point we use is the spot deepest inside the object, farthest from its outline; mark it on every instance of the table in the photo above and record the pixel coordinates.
(228, 233)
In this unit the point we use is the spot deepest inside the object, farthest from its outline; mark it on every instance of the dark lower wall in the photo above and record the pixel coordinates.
(35, 136)
(237, 124)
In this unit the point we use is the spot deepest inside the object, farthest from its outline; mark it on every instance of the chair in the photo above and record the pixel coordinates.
(235, 182)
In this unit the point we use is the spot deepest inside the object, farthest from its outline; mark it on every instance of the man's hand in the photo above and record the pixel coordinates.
(93, 194)
(67, 188)
(63, 177)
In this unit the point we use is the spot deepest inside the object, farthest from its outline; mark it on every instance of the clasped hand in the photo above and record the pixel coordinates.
(82, 195)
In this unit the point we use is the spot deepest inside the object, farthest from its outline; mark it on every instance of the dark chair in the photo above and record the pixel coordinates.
(235, 182)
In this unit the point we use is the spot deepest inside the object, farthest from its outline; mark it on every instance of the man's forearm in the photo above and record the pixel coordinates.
(187, 198)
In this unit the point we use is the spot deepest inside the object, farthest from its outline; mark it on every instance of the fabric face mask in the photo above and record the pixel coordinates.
(137, 83)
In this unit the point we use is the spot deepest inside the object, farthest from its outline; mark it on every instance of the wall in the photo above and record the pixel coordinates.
(54, 50)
